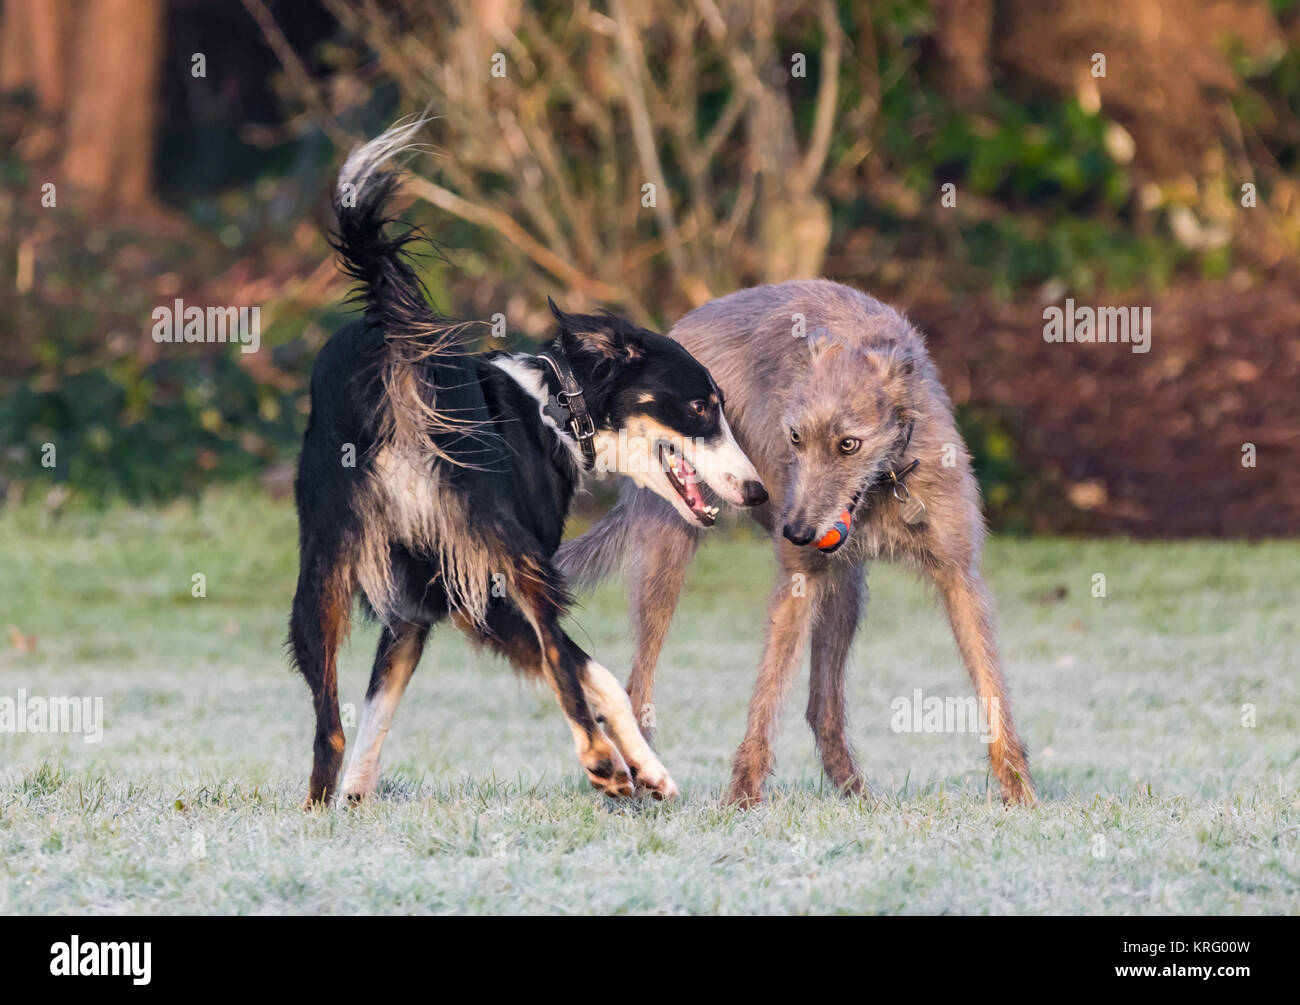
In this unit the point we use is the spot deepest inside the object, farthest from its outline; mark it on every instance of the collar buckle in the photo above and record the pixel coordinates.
(570, 404)
(580, 420)
(897, 478)
(911, 507)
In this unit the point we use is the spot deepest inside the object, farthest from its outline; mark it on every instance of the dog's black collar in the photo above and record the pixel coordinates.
(894, 476)
(567, 406)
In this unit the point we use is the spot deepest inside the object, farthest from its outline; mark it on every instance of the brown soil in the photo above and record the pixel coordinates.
(1144, 444)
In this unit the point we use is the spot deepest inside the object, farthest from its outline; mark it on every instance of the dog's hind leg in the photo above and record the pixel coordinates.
(656, 571)
(789, 621)
(837, 617)
(322, 608)
(971, 617)
(536, 644)
(395, 660)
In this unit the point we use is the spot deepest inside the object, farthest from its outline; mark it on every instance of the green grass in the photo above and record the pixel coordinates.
(1131, 705)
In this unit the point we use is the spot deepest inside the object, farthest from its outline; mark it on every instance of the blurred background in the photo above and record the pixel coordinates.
(155, 150)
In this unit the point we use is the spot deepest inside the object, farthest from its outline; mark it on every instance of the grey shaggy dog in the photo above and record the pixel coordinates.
(833, 395)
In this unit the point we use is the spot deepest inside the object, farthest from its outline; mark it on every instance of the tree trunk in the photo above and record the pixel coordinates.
(37, 37)
(112, 115)
(965, 34)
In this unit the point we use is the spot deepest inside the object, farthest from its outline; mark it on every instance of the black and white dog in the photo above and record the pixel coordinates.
(435, 482)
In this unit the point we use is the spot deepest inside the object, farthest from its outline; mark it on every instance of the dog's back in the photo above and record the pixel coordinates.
(759, 343)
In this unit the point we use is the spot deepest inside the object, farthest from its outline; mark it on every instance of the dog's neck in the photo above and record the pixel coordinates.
(569, 402)
(538, 378)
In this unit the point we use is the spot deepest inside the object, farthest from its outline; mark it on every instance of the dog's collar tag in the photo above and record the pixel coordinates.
(568, 407)
(556, 412)
(912, 509)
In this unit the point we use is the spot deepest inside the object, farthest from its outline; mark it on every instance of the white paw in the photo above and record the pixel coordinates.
(358, 786)
(652, 777)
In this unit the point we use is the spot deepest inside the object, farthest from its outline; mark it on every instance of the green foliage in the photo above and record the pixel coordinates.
(149, 431)
(131, 419)
(1268, 103)
(1084, 253)
(1039, 195)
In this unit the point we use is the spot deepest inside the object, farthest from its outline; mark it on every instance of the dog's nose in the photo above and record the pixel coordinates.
(798, 535)
(755, 494)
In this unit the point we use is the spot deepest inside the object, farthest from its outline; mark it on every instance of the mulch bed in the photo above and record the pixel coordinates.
(1144, 444)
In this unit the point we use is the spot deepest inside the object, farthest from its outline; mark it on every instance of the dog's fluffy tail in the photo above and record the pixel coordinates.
(386, 283)
(640, 520)
(600, 553)
(416, 337)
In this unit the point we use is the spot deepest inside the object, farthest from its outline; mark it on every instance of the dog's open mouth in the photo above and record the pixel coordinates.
(682, 477)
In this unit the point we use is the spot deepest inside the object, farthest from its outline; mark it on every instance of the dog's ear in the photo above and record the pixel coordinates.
(894, 368)
(902, 363)
(820, 344)
(609, 344)
(602, 337)
(565, 321)
(894, 362)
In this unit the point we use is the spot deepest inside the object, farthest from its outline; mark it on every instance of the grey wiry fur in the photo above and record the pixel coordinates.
(862, 371)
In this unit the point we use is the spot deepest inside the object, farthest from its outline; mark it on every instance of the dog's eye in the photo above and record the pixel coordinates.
(849, 445)
(794, 436)
(699, 406)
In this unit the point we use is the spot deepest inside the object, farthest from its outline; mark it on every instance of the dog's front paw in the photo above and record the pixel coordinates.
(653, 778)
(359, 785)
(607, 771)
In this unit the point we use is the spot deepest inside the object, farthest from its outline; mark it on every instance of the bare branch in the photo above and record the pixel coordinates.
(293, 66)
(827, 96)
(506, 227)
(643, 133)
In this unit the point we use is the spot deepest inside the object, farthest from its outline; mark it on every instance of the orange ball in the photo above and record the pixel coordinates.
(837, 533)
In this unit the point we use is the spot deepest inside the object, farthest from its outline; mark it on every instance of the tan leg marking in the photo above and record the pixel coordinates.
(610, 702)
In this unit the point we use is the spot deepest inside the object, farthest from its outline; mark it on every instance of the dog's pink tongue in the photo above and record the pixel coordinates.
(691, 484)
